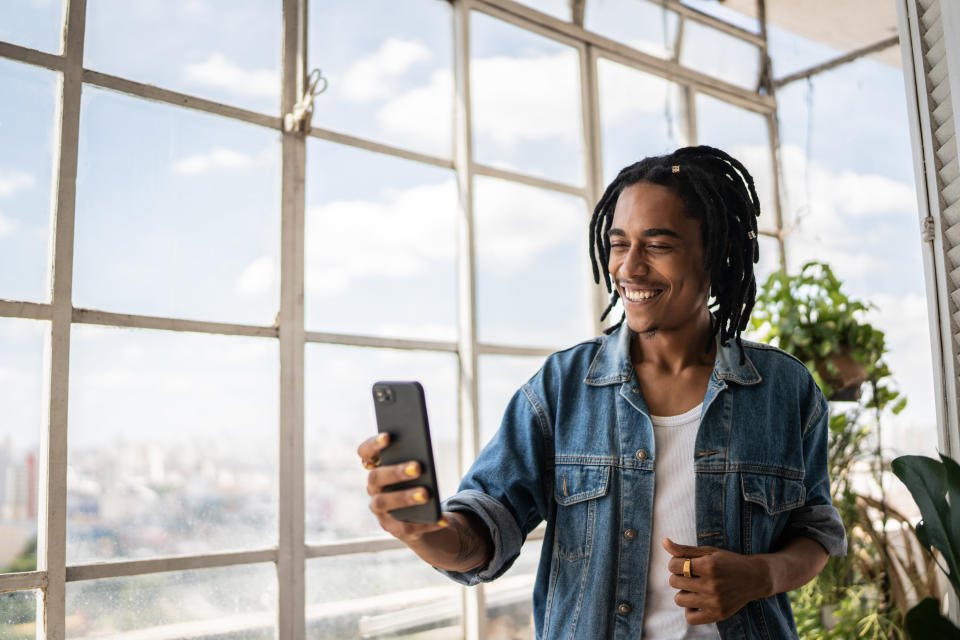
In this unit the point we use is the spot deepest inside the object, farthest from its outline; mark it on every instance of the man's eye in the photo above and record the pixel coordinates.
(658, 247)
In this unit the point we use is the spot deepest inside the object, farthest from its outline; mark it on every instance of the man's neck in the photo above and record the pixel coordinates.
(674, 350)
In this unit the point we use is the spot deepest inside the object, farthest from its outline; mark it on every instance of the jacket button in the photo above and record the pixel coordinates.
(624, 609)
(629, 534)
(641, 454)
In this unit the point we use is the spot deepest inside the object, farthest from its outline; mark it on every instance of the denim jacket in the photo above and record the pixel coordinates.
(576, 449)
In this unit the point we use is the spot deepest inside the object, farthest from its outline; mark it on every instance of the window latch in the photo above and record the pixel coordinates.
(928, 229)
(299, 119)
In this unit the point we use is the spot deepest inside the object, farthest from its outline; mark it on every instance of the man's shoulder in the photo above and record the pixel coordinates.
(773, 362)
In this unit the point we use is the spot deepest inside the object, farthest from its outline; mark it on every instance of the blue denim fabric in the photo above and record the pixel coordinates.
(576, 449)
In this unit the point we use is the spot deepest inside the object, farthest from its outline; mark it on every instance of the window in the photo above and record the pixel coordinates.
(225, 293)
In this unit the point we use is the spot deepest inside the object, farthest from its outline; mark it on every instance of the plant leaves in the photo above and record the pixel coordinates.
(927, 481)
(925, 622)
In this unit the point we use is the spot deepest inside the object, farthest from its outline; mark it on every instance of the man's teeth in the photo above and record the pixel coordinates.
(637, 296)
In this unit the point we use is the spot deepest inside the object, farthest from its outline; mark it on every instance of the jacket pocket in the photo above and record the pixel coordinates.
(577, 489)
(775, 494)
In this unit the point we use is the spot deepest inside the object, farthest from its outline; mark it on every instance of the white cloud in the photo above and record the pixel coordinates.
(215, 159)
(376, 76)
(354, 239)
(13, 181)
(7, 225)
(221, 72)
(260, 276)
(421, 114)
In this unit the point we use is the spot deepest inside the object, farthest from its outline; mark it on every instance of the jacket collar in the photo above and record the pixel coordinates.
(612, 364)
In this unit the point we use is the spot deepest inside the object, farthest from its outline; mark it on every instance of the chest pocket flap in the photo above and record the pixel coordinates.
(576, 483)
(774, 493)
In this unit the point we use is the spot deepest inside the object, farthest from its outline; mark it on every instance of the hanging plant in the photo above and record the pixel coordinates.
(808, 315)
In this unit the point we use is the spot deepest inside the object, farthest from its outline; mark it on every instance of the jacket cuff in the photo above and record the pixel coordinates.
(504, 532)
(821, 523)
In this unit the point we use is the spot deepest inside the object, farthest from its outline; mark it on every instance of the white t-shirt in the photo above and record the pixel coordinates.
(674, 517)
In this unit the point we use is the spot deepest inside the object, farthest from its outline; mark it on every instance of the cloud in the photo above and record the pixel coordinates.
(13, 181)
(376, 76)
(349, 240)
(7, 225)
(215, 159)
(221, 72)
(260, 276)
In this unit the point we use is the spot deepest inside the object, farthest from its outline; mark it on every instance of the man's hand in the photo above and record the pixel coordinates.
(722, 581)
(382, 502)
(457, 542)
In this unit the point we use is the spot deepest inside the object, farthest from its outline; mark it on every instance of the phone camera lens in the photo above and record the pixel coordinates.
(383, 394)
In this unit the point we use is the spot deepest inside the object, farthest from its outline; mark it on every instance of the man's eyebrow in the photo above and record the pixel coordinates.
(647, 233)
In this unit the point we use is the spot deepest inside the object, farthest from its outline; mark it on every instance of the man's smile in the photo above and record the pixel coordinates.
(639, 294)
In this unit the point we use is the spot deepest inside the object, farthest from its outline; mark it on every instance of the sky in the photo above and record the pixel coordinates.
(178, 211)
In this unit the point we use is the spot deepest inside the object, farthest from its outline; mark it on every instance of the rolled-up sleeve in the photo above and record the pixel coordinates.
(817, 519)
(505, 486)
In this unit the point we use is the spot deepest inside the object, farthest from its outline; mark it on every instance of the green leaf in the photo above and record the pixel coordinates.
(928, 481)
(925, 622)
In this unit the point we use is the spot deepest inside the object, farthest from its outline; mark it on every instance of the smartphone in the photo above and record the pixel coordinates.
(402, 412)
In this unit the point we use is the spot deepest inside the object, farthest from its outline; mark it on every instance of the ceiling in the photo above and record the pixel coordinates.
(842, 24)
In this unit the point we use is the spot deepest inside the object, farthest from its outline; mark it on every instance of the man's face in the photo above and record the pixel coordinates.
(656, 259)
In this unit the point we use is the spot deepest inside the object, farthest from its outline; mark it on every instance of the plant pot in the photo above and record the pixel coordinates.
(850, 375)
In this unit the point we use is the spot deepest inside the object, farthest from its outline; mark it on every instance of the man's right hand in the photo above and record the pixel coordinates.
(457, 542)
(382, 502)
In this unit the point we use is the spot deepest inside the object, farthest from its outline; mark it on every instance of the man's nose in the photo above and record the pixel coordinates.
(634, 263)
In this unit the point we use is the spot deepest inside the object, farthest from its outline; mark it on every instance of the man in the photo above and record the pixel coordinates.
(680, 470)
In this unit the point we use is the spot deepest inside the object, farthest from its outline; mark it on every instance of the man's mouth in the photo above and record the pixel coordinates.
(638, 294)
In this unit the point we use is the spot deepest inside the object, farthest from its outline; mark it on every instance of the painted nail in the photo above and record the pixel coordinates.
(383, 438)
(412, 469)
(420, 495)
(442, 522)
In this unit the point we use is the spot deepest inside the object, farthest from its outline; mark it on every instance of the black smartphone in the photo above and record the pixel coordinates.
(402, 412)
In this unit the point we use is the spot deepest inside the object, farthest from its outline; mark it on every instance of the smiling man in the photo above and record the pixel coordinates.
(681, 471)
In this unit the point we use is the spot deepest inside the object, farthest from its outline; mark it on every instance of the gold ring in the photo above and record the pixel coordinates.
(372, 464)
(686, 568)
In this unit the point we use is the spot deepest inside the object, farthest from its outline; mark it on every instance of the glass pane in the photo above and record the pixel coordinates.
(26, 137)
(216, 49)
(339, 416)
(178, 212)
(21, 396)
(231, 602)
(851, 199)
(499, 378)
(720, 55)
(640, 116)
(393, 594)
(32, 23)
(525, 93)
(732, 16)
(18, 614)
(173, 443)
(744, 135)
(509, 599)
(390, 70)
(381, 252)
(533, 273)
(556, 8)
(643, 25)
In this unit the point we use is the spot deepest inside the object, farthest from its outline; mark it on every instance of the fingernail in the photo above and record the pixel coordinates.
(420, 495)
(382, 438)
(442, 522)
(412, 469)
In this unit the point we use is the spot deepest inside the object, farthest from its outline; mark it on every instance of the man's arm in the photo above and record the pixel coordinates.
(464, 545)
(722, 582)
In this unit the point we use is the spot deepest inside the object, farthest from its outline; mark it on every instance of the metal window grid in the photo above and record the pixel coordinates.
(292, 551)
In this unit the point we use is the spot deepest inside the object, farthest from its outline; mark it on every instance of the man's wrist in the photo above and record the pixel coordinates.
(765, 572)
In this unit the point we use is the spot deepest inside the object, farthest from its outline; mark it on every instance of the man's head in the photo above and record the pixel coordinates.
(644, 232)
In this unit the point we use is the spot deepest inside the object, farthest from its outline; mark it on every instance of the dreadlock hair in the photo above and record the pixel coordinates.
(717, 190)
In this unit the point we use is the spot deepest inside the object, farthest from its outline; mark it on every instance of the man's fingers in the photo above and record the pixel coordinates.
(369, 450)
(381, 503)
(386, 476)
(685, 551)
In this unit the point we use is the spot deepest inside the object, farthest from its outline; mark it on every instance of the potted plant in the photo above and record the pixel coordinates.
(935, 486)
(866, 593)
(809, 316)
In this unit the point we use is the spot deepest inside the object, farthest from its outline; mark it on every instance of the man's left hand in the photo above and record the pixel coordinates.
(721, 582)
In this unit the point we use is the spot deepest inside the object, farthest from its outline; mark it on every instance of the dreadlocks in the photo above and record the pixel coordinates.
(717, 190)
